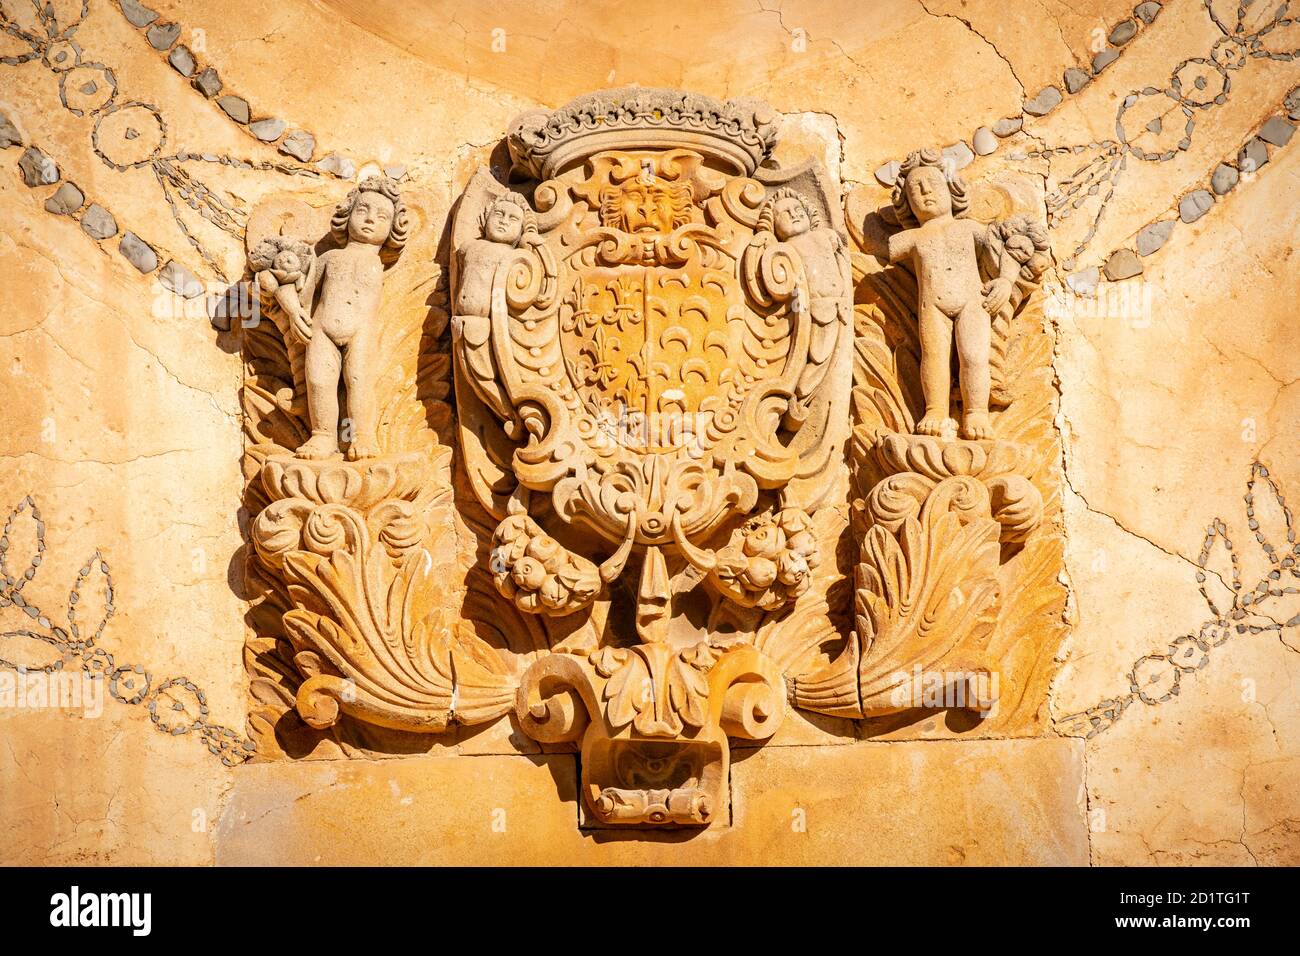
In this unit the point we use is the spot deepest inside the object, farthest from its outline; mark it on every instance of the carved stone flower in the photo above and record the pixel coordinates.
(280, 260)
(764, 541)
(538, 573)
(528, 573)
(792, 570)
(758, 573)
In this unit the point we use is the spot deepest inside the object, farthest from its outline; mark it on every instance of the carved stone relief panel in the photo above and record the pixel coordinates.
(716, 450)
(652, 339)
(352, 584)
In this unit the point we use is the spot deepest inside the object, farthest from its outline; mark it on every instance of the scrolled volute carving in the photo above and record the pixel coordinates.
(652, 723)
(370, 628)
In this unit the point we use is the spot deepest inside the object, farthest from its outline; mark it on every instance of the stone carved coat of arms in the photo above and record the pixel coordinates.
(657, 365)
(659, 334)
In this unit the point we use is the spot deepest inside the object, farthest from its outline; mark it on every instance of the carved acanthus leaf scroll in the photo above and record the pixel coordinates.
(950, 527)
(370, 624)
(653, 539)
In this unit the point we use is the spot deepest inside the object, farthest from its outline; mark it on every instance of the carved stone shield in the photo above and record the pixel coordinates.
(653, 350)
(651, 330)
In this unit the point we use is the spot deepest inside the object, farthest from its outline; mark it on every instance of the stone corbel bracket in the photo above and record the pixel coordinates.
(370, 624)
(652, 722)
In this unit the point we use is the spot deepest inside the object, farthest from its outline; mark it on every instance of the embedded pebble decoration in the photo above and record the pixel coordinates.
(131, 135)
(176, 706)
(1157, 678)
(300, 144)
(1147, 130)
(125, 135)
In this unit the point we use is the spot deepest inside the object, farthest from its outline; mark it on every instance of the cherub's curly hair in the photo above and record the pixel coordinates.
(398, 229)
(529, 232)
(927, 157)
(767, 214)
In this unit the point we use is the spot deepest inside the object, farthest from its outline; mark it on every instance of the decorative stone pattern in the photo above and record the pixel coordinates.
(129, 135)
(1239, 610)
(1197, 85)
(72, 641)
(640, 447)
(1147, 131)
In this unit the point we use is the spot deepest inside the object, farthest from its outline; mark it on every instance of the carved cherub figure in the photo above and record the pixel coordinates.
(953, 300)
(789, 217)
(334, 310)
(507, 224)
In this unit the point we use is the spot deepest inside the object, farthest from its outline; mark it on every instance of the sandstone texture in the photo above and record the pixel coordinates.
(1109, 484)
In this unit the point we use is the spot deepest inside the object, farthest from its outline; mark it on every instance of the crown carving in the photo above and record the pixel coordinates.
(739, 134)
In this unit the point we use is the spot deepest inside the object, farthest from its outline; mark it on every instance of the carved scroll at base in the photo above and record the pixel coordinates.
(371, 628)
(926, 588)
(652, 722)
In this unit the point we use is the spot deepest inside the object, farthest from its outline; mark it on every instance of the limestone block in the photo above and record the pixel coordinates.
(434, 811)
(71, 797)
(981, 803)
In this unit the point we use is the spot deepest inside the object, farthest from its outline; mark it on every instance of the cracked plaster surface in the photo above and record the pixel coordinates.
(1152, 417)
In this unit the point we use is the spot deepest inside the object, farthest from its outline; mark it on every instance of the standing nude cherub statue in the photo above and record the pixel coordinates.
(789, 217)
(506, 225)
(953, 300)
(334, 309)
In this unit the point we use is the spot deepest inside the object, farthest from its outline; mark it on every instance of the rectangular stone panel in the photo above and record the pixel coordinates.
(910, 803)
